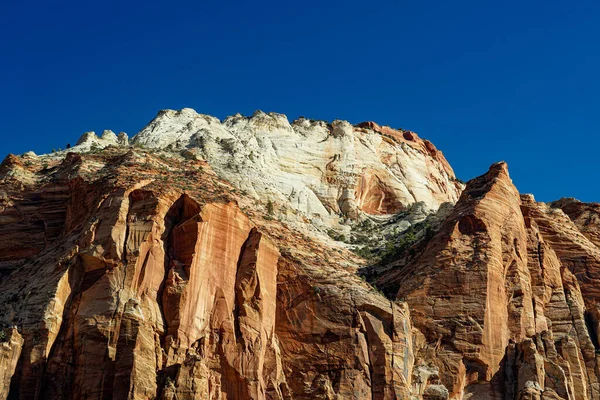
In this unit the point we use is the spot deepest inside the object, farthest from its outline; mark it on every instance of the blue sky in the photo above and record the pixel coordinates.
(484, 81)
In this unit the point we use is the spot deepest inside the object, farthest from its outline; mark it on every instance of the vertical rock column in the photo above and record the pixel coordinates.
(10, 351)
(219, 305)
(469, 291)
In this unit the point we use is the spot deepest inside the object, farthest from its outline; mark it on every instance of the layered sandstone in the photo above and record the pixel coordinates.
(196, 265)
(133, 275)
(329, 172)
(505, 295)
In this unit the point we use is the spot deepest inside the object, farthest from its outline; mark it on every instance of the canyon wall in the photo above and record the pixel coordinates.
(505, 294)
(124, 287)
(219, 260)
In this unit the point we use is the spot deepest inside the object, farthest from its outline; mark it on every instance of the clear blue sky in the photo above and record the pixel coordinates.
(485, 81)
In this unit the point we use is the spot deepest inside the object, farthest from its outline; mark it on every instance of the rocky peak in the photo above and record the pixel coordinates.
(309, 166)
(496, 178)
(491, 290)
(109, 135)
(15, 167)
(123, 139)
(269, 121)
(172, 129)
(194, 264)
(87, 137)
(89, 141)
(11, 161)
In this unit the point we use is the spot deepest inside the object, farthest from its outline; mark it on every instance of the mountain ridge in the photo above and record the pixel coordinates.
(175, 265)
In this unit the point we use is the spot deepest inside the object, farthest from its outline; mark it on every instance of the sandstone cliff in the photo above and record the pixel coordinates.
(130, 274)
(212, 260)
(505, 296)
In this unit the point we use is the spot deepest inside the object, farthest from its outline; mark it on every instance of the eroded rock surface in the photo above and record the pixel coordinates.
(199, 266)
(127, 275)
(505, 294)
(326, 171)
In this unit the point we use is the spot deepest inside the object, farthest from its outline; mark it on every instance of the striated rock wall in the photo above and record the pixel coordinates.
(337, 340)
(326, 171)
(505, 296)
(10, 352)
(128, 273)
(135, 289)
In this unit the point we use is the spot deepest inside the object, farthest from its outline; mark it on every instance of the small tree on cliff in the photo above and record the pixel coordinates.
(270, 209)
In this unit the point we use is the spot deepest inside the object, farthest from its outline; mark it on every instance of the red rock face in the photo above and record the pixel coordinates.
(337, 341)
(505, 295)
(411, 139)
(373, 196)
(129, 288)
(138, 276)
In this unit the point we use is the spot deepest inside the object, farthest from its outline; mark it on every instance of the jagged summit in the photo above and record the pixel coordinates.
(258, 258)
(327, 171)
(90, 141)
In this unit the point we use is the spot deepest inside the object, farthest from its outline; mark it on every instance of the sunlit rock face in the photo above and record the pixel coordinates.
(209, 259)
(128, 274)
(505, 294)
(326, 171)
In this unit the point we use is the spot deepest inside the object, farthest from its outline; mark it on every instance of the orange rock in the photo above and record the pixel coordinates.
(10, 351)
(126, 287)
(373, 196)
(505, 294)
(120, 280)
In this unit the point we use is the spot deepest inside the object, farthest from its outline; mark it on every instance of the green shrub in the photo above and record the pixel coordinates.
(336, 236)
(227, 145)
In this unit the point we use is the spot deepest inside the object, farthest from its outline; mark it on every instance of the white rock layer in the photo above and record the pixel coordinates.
(90, 141)
(326, 171)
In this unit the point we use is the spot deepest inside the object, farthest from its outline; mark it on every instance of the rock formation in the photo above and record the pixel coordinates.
(129, 274)
(198, 263)
(325, 171)
(505, 295)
